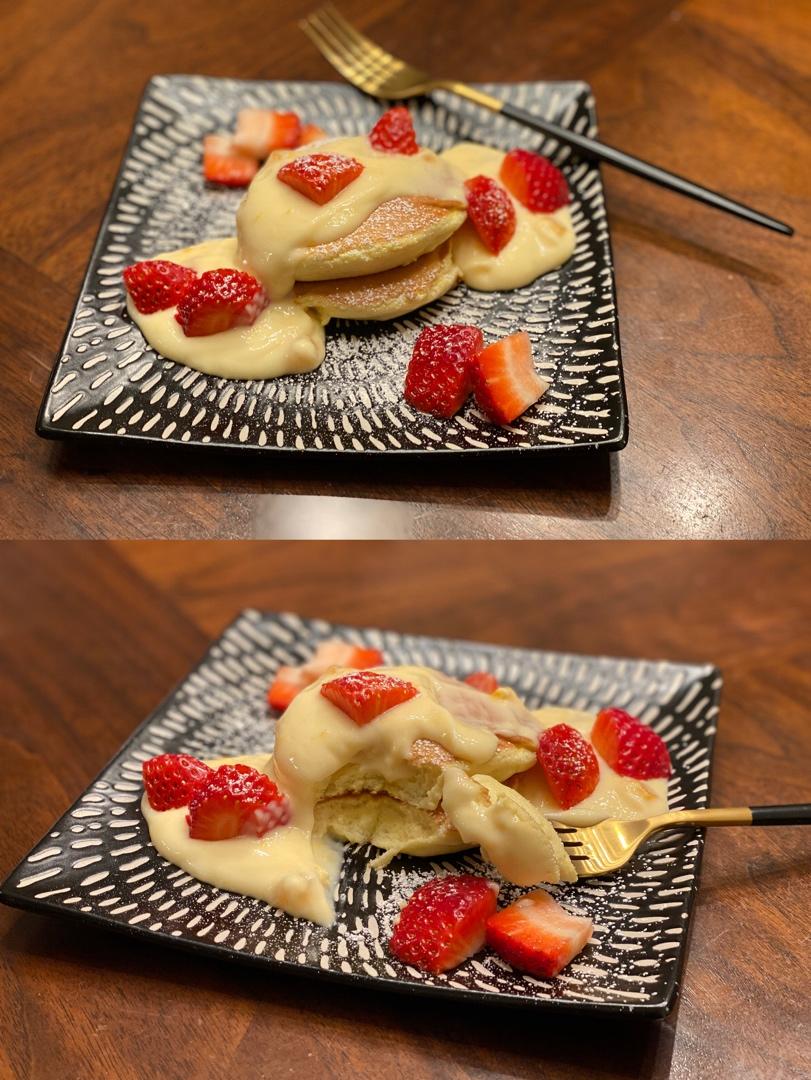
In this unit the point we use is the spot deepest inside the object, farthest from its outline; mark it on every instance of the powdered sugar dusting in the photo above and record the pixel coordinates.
(640, 915)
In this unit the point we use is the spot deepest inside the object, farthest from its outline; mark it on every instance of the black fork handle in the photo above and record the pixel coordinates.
(621, 160)
(794, 814)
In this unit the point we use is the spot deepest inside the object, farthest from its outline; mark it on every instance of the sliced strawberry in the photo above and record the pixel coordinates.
(157, 284)
(320, 176)
(438, 379)
(491, 212)
(336, 653)
(224, 163)
(365, 695)
(483, 681)
(236, 801)
(630, 747)
(288, 682)
(444, 922)
(537, 935)
(505, 381)
(569, 764)
(330, 653)
(311, 133)
(534, 181)
(394, 132)
(170, 780)
(220, 300)
(260, 131)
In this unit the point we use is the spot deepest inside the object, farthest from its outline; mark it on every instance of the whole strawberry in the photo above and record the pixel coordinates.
(171, 780)
(157, 284)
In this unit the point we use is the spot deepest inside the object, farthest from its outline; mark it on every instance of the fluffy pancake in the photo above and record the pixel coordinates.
(421, 785)
(394, 826)
(382, 296)
(399, 231)
(286, 237)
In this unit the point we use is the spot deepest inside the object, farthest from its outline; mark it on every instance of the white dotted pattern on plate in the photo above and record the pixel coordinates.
(99, 860)
(109, 381)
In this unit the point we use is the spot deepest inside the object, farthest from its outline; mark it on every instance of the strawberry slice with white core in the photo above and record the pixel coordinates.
(336, 653)
(224, 163)
(535, 934)
(330, 653)
(311, 133)
(288, 682)
(444, 922)
(260, 131)
(505, 381)
(365, 695)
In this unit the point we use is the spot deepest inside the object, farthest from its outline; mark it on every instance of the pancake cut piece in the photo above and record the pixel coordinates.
(384, 295)
(513, 835)
(398, 232)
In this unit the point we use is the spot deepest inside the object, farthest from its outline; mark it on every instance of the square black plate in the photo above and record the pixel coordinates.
(108, 382)
(98, 864)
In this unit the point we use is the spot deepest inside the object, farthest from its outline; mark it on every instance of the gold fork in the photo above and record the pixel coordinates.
(603, 848)
(366, 65)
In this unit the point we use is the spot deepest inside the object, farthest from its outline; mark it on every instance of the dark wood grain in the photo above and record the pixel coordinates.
(715, 314)
(93, 636)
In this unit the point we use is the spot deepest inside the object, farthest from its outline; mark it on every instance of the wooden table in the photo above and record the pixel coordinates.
(715, 314)
(93, 636)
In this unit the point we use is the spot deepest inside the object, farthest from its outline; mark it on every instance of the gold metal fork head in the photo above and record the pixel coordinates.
(371, 68)
(602, 848)
(360, 60)
(609, 845)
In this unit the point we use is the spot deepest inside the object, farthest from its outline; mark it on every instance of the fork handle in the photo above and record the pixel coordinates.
(794, 814)
(628, 163)
(610, 154)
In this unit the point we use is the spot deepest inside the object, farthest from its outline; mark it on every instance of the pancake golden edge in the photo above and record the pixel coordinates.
(396, 233)
(386, 295)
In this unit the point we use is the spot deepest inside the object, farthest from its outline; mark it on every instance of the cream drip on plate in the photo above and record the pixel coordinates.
(288, 867)
(615, 796)
(297, 870)
(539, 244)
(284, 339)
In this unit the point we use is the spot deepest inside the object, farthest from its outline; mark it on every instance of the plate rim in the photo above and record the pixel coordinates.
(45, 428)
(11, 896)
